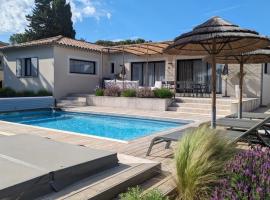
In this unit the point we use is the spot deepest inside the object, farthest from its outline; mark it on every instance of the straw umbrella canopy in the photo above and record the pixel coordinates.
(254, 57)
(217, 37)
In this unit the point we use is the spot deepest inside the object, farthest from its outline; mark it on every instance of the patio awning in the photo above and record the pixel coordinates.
(143, 49)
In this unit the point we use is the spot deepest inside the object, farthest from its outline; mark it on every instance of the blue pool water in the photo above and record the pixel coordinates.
(115, 127)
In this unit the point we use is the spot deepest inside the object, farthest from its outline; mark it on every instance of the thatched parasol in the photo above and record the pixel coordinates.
(217, 37)
(254, 57)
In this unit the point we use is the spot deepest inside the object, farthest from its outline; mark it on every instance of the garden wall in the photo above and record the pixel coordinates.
(129, 102)
(25, 103)
(248, 105)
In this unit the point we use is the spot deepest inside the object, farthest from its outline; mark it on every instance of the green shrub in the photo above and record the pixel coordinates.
(99, 92)
(200, 159)
(163, 93)
(26, 93)
(7, 92)
(128, 93)
(136, 193)
(44, 93)
(145, 93)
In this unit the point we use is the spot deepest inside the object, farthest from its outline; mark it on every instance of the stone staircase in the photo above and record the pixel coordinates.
(200, 106)
(73, 100)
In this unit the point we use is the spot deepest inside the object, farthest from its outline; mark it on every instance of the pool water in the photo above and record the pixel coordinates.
(114, 127)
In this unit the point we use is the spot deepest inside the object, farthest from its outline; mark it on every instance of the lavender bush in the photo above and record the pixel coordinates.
(248, 177)
(113, 91)
(145, 93)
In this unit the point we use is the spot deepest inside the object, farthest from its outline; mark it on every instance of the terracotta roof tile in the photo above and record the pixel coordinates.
(57, 40)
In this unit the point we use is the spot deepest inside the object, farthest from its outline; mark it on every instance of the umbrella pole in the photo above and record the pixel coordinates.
(213, 121)
(240, 107)
(214, 74)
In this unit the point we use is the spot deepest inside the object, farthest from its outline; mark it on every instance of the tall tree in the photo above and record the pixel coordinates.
(62, 22)
(49, 18)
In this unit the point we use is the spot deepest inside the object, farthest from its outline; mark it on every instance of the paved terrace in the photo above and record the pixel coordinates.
(136, 147)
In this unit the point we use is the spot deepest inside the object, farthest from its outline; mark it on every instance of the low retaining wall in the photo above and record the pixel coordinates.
(247, 106)
(129, 102)
(25, 103)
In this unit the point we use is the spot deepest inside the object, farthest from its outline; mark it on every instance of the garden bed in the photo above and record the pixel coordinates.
(156, 104)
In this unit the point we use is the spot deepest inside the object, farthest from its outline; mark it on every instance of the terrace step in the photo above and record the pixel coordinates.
(200, 105)
(202, 100)
(72, 101)
(191, 110)
(109, 183)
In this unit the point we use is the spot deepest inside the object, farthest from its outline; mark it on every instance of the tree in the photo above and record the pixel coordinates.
(49, 18)
(122, 42)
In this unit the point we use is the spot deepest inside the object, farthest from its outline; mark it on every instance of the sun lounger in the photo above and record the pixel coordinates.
(168, 138)
(250, 115)
(251, 135)
(237, 123)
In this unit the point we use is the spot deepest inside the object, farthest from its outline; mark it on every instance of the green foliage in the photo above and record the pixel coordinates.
(18, 38)
(163, 93)
(99, 92)
(122, 42)
(136, 193)
(200, 159)
(8, 92)
(44, 93)
(49, 18)
(128, 93)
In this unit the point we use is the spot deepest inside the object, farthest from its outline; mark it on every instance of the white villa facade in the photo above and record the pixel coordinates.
(64, 66)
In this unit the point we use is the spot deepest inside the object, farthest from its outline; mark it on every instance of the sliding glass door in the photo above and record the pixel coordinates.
(196, 72)
(148, 73)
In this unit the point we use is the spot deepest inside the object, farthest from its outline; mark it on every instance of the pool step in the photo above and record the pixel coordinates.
(109, 183)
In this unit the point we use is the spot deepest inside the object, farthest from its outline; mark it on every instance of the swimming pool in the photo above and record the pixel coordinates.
(114, 127)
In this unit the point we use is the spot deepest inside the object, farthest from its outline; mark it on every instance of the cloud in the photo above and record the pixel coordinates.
(13, 12)
(12, 15)
(213, 12)
(87, 8)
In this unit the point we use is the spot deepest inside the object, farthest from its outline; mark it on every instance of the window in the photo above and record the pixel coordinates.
(82, 67)
(27, 67)
(112, 68)
(266, 68)
(148, 74)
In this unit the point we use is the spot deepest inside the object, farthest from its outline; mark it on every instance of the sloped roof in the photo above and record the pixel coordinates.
(149, 48)
(57, 40)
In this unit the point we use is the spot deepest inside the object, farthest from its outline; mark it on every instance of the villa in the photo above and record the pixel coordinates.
(66, 66)
(97, 149)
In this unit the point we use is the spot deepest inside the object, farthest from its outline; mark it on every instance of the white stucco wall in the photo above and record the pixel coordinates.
(252, 80)
(266, 88)
(45, 79)
(66, 82)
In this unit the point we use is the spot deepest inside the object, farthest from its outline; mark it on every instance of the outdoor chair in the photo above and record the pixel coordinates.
(158, 85)
(249, 115)
(252, 131)
(168, 138)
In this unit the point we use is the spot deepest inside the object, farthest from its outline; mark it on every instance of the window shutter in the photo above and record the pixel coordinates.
(19, 67)
(34, 66)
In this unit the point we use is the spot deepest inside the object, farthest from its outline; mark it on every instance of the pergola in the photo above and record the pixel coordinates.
(143, 49)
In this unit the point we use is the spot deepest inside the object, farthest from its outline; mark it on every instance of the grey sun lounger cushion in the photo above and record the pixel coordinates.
(236, 123)
(168, 138)
(32, 166)
(251, 133)
(250, 115)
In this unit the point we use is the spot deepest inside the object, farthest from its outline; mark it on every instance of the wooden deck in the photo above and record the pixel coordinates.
(137, 148)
